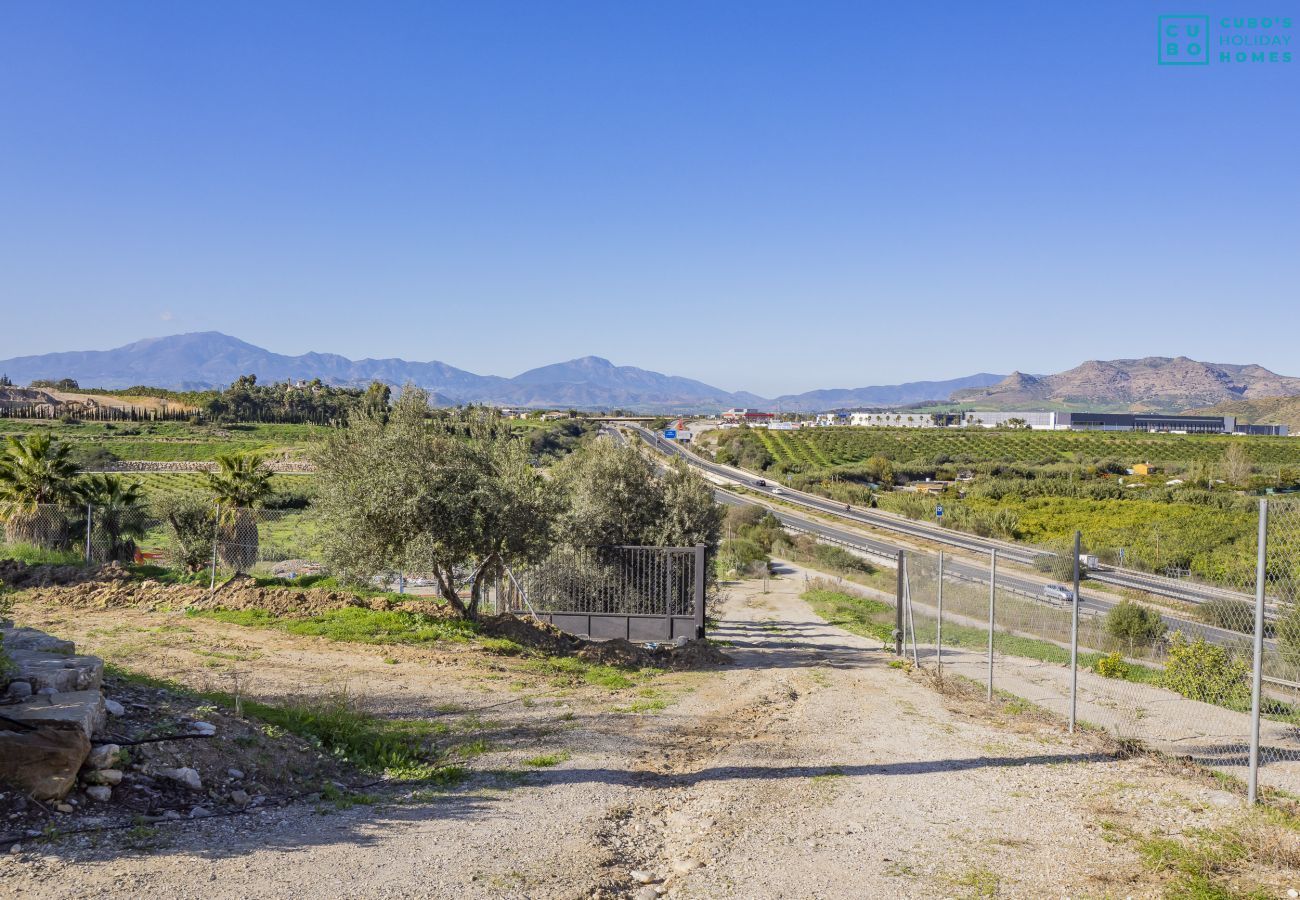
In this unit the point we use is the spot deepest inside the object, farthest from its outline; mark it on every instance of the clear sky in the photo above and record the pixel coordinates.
(766, 196)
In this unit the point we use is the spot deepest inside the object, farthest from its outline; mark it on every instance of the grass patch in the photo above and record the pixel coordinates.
(353, 624)
(397, 748)
(546, 760)
(40, 556)
(572, 670)
(857, 615)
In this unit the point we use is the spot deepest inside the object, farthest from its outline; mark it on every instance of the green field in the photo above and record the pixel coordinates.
(829, 447)
(169, 441)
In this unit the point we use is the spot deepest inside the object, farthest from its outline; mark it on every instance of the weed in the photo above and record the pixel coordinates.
(547, 760)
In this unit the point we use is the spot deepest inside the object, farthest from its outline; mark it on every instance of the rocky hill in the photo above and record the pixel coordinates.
(1152, 383)
(1279, 410)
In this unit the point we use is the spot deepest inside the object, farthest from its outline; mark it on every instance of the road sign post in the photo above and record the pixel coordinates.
(670, 434)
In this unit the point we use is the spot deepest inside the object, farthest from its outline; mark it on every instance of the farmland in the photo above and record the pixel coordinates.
(829, 447)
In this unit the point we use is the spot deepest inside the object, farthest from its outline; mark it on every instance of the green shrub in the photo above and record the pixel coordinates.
(1229, 614)
(841, 560)
(1135, 624)
(1112, 666)
(1206, 672)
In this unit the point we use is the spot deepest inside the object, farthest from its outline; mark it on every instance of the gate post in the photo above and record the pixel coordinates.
(1256, 680)
(699, 592)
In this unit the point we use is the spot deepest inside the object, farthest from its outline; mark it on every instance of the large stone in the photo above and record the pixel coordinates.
(81, 709)
(59, 672)
(44, 761)
(34, 639)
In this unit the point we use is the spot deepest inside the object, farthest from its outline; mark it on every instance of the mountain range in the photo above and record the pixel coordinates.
(205, 360)
(1150, 384)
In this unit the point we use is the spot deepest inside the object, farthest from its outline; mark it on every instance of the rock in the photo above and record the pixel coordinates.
(646, 893)
(19, 690)
(235, 774)
(102, 756)
(682, 866)
(205, 728)
(16, 848)
(184, 775)
(83, 709)
(641, 877)
(47, 692)
(99, 792)
(58, 672)
(44, 761)
(113, 708)
(200, 812)
(171, 815)
(64, 807)
(111, 777)
(239, 798)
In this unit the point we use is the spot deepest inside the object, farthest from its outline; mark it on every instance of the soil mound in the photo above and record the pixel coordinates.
(20, 576)
(617, 652)
(113, 588)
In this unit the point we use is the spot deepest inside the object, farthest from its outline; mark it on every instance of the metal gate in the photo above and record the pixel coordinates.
(636, 593)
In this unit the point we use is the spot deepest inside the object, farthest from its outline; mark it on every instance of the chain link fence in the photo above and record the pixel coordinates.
(1208, 672)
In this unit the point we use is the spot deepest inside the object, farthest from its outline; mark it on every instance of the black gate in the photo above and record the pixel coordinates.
(637, 593)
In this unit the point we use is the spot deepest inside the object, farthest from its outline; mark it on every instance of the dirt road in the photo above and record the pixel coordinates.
(810, 768)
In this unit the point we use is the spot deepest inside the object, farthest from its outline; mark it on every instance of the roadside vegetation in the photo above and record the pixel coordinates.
(1191, 515)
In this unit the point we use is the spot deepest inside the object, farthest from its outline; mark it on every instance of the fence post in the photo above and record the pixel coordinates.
(898, 606)
(90, 524)
(216, 522)
(1256, 684)
(938, 624)
(699, 592)
(993, 599)
(1074, 635)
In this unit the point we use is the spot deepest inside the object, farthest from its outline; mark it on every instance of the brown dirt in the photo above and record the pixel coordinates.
(549, 639)
(19, 576)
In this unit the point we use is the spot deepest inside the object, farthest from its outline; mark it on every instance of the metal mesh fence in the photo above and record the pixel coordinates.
(644, 581)
(284, 543)
(1170, 669)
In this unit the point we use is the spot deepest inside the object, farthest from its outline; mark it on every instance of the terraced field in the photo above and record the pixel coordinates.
(828, 447)
(171, 441)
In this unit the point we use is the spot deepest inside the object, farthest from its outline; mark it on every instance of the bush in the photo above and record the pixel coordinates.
(1112, 666)
(1135, 624)
(189, 523)
(1206, 672)
(1233, 615)
(840, 559)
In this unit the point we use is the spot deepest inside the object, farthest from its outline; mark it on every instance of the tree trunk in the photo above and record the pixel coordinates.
(447, 587)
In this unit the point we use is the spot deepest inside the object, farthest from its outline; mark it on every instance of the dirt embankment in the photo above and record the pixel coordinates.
(113, 587)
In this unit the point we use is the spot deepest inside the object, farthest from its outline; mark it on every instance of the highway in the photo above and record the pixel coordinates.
(1126, 578)
(955, 568)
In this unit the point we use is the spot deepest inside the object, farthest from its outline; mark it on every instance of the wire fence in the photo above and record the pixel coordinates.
(198, 537)
(1212, 675)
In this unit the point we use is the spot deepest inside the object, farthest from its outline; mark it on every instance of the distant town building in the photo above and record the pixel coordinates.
(751, 416)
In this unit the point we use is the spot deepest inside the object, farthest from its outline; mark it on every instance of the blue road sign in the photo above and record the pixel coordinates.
(938, 512)
(671, 434)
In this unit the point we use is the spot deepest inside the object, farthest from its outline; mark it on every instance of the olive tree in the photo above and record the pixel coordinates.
(453, 493)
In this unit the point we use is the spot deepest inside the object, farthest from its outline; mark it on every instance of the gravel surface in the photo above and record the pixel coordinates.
(808, 768)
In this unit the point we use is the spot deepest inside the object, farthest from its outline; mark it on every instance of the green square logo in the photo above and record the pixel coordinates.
(1184, 40)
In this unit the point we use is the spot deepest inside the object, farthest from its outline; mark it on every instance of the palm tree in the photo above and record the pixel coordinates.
(35, 476)
(240, 484)
(118, 517)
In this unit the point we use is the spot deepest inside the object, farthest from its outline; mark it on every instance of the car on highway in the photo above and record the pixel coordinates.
(777, 491)
(1058, 592)
(760, 483)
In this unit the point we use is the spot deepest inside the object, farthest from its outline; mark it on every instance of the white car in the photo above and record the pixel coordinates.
(777, 491)
(1058, 592)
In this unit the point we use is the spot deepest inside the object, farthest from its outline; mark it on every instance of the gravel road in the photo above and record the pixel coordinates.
(810, 768)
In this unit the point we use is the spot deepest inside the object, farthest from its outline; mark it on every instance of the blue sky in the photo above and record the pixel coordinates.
(766, 196)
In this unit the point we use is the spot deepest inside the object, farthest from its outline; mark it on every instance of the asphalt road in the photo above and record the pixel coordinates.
(954, 568)
(1142, 581)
